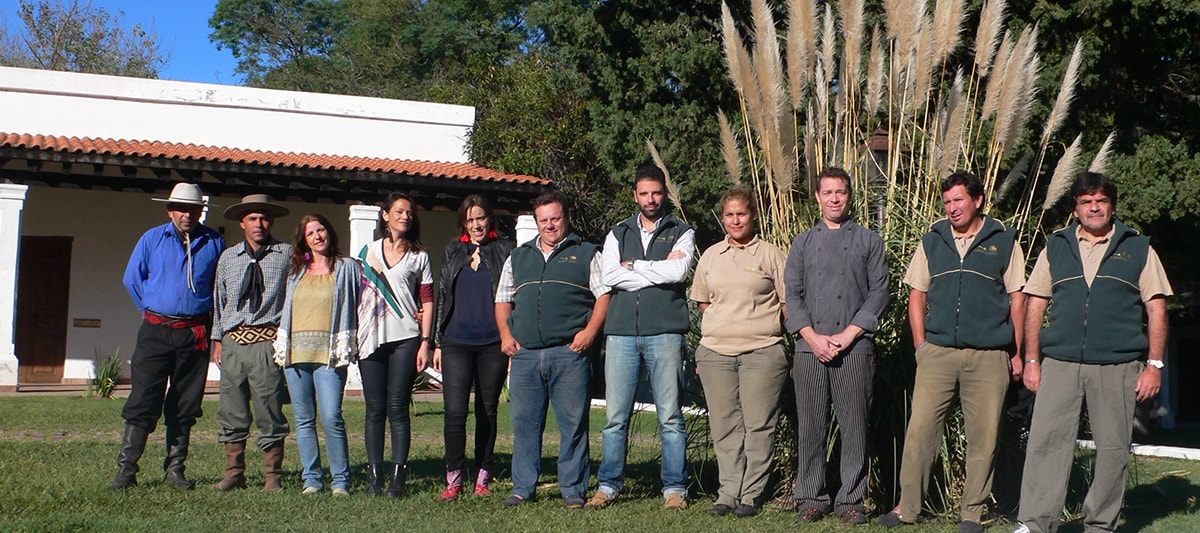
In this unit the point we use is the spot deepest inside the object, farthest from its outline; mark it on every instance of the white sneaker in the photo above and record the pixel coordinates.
(338, 491)
(310, 490)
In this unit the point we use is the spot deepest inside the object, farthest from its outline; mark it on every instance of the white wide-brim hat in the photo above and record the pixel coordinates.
(185, 193)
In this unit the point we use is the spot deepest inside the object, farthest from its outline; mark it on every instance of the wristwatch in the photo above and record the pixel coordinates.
(1156, 363)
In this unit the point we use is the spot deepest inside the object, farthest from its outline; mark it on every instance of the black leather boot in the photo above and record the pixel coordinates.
(177, 452)
(133, 443)
(374, 480)
(398, 489)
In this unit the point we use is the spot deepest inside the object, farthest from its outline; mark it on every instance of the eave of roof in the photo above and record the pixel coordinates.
(192, 152)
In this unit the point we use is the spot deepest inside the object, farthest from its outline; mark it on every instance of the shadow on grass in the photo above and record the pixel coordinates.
(1168, 495)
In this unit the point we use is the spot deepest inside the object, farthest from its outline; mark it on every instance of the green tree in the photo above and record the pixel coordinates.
(654, 71)
(281, 38)
(78, 37)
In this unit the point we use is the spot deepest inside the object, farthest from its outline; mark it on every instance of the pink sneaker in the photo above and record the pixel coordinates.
(454, 485)
(481, 483)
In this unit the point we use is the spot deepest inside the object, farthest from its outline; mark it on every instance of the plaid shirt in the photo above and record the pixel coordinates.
(228, 287)
(505, 291)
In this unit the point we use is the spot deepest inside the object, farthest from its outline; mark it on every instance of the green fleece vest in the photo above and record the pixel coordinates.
(968, 304)
(553, 299)
(653, 310)
(1101, 324)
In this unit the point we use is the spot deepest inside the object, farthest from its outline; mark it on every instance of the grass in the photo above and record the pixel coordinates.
(57, 456)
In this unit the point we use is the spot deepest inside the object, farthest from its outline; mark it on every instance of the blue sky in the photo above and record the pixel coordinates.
(182, 28)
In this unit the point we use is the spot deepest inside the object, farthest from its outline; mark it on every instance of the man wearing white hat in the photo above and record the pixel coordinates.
(170, 278)
(250, 286)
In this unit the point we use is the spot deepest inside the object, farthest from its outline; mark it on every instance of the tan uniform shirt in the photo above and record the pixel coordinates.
(1152, 281)
(917, 276)
(743, 286)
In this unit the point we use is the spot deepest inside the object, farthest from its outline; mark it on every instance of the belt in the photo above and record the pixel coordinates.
(198, 324)
(246, 335)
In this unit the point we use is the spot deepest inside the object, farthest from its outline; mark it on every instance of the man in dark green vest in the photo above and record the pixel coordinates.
(646, 260)
(965, 310)
(550, 306)
(1102, 276)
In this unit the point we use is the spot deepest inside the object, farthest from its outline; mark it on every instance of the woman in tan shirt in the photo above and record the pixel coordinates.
(316, 342)
(741, 359)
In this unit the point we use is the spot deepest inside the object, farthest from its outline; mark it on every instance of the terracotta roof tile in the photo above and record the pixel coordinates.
(160, 149)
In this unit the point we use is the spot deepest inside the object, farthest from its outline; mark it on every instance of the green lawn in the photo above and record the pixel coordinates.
(57, 456)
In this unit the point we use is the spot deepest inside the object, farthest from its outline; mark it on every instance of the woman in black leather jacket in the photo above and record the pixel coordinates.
(468, 342)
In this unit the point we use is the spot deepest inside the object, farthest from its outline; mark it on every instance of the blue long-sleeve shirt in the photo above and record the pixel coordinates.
(157, 275)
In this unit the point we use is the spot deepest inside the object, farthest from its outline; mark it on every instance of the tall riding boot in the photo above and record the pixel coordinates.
(133, 443)
(374, 479)
(273, 468)
(398, 488)
(235, 467)
(177, 452)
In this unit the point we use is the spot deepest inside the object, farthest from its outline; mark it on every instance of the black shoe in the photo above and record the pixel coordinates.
(854, 517)
(133, 443)
(573, 502)
(745, 511)
(970, 526)
(513, 501)
(720, 509)
(374, 480)
(178, 440)
(810, 514)
(398, 488)
(889, 520)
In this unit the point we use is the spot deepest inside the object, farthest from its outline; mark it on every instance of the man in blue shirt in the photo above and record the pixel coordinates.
(170, 278)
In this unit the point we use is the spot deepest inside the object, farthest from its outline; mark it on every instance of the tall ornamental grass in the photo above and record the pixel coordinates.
(900, 107)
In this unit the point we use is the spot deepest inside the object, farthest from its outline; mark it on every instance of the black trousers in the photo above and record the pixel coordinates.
(464, 366)
(387, 377)
(168, 376)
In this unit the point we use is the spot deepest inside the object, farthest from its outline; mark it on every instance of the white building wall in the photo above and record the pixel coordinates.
(87, 105)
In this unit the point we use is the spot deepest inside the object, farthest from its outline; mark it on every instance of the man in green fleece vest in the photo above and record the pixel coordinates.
(1101, 276)
(646, 260)
(551, 301)
(965, 310)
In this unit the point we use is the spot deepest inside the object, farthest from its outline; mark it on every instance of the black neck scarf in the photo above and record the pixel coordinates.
(252, 281)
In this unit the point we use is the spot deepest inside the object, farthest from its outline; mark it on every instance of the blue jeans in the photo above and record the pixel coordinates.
(662, 357)
(310, 384)
(562, 377)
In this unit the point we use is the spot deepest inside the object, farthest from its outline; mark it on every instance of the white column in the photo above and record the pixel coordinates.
(12, 200)
(526, 229)
(364, 220)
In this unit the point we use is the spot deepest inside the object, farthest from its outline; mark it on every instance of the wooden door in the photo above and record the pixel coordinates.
(43, 295)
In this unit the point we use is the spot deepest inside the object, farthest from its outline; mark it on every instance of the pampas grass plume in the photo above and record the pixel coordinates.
(1101, 159)
(1066, 94)
(1063, 173)
(991, 21)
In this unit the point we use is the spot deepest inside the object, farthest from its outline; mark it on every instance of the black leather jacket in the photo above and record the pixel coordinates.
(494, 253)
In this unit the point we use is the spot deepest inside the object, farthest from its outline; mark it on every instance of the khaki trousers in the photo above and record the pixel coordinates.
(251, 392)
(1109, 390)
(981, 378)
(743, 392)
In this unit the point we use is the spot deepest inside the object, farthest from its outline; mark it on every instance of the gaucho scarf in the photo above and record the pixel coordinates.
(252, 281)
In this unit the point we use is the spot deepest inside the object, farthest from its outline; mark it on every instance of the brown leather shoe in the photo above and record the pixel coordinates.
(600, 500)
(675, 502)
